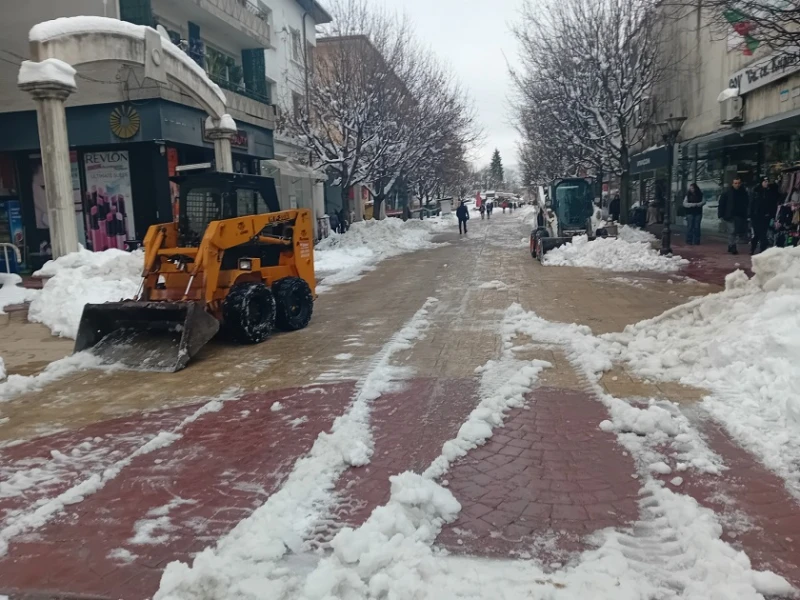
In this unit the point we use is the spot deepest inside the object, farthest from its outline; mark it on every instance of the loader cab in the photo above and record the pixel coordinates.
(573, 203)
(207, 197)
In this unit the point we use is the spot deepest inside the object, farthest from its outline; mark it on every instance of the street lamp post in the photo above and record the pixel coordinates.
(669, 129)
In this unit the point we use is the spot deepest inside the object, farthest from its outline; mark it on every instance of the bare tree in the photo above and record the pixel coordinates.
(381, 107)
(592, 63)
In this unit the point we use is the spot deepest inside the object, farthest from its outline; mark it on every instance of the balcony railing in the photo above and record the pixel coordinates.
(239, 88)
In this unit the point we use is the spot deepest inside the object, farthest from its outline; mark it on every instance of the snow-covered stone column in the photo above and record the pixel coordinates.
(221, 132)
(50, 82)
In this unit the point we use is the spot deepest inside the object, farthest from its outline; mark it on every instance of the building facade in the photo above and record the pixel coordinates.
(742, 115)
(128, 134)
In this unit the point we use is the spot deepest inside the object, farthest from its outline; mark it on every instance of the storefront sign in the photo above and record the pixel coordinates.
(238, 141)
(109, 204)
(766, 71)
(649, 161)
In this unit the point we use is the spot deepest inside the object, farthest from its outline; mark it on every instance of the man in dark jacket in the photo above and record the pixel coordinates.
(463, 216)
(763, 206)
(734, 205)
(614, 208)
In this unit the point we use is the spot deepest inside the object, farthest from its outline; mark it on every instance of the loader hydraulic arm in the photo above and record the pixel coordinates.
(230, 233)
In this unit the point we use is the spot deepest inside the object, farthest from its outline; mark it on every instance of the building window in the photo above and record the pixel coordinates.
(310, 57)
(223, 69)
(297, 46)
(297, 104)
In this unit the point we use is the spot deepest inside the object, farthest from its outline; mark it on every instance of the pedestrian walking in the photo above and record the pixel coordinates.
(763, 206)
(489, 209)
(483, 211)
(613, 208)
(693, 207)
(505, 205)
(344, 224)
(734, 205)
(462, 213)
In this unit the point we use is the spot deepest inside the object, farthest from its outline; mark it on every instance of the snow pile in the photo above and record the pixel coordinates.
(11, 292)
(245, 563)
(50, 70)
(633, 234)
(612, 254)
(342, 258)
(81, 278)
(2, 369)
(743, 344)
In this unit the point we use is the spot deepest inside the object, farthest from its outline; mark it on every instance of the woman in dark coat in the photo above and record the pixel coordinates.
(693, 208)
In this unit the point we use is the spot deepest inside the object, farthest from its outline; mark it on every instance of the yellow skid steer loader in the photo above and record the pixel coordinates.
(233, 262)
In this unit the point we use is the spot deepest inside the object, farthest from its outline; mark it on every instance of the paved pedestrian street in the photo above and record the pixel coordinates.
(106, 478)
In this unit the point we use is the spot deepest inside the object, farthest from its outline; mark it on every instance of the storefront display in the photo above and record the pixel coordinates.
(108, 204)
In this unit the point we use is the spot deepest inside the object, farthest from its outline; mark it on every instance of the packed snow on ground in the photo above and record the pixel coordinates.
(12, 292)
(14, 385)
(42, 511)
(345, 257)
(742, 344)
(81, 278)
(392, 554)
(246, 562)
(612, 254)
(495, 284)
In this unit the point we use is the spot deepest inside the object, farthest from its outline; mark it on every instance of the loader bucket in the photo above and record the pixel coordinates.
(145, 336)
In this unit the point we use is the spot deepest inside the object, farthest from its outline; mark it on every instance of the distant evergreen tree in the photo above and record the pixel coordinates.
(496, 169)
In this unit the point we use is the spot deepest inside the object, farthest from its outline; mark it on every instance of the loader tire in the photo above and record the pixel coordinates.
(248, 313)
(294, 303)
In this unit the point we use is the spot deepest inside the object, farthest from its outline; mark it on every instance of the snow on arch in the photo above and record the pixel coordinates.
(49, 31)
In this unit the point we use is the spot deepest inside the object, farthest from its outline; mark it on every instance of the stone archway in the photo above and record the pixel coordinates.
(59, 45)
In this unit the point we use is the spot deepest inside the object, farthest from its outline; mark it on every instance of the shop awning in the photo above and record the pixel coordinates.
(294, 169)
(649, 160)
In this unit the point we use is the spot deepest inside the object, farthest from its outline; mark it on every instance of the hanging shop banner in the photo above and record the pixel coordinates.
(108, 202)
(41, 213)
(16, 231)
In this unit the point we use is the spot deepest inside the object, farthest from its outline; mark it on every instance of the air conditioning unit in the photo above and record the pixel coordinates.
(731, 110)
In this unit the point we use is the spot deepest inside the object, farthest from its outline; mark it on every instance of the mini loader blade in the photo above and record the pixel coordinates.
(145, 336)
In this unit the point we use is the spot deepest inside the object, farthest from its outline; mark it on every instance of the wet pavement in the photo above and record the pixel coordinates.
(107, 477)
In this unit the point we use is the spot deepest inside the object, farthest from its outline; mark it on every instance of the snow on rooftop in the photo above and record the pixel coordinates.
(48, 70)
(49, 30)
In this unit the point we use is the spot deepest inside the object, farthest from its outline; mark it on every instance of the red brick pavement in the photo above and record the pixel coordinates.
(409, 428)
(226, 464)
(548, 475)
(710, 262)
(757, 512)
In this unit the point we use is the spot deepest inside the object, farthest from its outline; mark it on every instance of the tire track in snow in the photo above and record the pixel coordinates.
(283, 523)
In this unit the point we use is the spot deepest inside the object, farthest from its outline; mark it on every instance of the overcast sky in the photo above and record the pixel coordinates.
(473, 37)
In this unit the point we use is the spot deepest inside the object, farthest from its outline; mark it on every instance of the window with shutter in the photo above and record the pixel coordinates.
(255, 76)
(138, 12)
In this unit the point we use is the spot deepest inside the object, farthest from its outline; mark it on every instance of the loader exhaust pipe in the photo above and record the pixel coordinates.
(145, 336)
